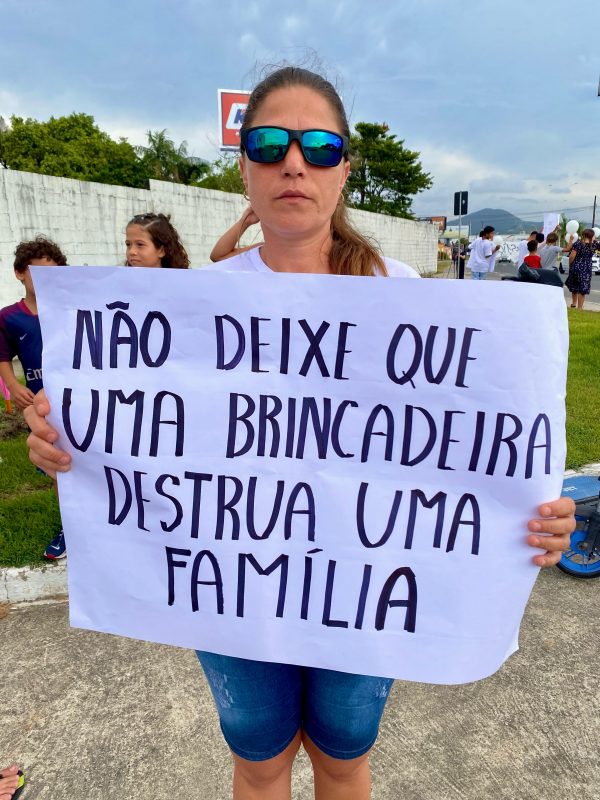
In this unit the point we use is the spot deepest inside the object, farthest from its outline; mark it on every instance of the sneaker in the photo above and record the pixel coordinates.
(57, 547)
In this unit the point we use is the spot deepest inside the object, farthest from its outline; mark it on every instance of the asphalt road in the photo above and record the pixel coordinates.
(508, 268)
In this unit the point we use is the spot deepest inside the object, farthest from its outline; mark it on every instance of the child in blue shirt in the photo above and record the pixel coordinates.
(20, 336)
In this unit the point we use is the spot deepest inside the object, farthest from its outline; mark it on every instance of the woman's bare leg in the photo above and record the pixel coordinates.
(265, 780)
(338, 779)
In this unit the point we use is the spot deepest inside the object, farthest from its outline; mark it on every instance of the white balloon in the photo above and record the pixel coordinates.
(597, 232)
(574, 239)
(498, 239)
(572, 226)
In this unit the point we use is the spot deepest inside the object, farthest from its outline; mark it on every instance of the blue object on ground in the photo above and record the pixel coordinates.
(582, 559)
(57, 547)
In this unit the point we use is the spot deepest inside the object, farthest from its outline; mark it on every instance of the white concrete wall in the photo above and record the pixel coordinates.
(88, 221)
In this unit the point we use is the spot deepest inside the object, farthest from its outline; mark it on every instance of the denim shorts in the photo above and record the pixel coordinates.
(262, 706)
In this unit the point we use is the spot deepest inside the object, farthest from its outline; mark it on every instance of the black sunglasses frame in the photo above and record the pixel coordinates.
(294, 136)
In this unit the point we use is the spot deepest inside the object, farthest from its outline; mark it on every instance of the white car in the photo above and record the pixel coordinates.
(564, 262)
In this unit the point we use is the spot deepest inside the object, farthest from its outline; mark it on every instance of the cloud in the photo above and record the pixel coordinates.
(498, 184)
(292, 23)
(464, 101)
(10, 104)
(202, 137)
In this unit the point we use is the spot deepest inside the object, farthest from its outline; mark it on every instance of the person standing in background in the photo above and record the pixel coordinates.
(21, 337)
(550, 253)
(532, 259)
(579, 280)
(523, 252)
(483, 254)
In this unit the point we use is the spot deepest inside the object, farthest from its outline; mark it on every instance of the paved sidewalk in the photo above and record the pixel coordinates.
(98, 717)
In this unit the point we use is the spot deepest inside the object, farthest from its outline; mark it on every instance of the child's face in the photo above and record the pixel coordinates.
(141, 250)
(25, 277)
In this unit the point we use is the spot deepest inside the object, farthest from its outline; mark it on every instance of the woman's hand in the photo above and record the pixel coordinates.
(42, 451)
(248, 218)
(552, 531)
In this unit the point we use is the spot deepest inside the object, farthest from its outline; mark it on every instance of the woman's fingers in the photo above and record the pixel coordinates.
(558, 525)
(46, 456)
(548, 560)
(563, 507)
(551, 532)
(36, 413)
(40, 441)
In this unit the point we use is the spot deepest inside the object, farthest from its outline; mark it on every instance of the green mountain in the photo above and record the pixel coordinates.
(503, 221)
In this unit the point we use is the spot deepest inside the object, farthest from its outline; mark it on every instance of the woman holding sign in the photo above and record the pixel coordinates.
(294, 163)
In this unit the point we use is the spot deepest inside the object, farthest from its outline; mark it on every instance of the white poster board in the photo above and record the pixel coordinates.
(314, 470)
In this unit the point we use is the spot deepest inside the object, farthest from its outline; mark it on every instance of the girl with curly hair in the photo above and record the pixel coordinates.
(152, 241)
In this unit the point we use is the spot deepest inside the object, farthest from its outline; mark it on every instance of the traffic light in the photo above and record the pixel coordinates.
(461, 203)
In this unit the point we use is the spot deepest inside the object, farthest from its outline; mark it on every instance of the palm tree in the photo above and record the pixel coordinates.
(166, 162)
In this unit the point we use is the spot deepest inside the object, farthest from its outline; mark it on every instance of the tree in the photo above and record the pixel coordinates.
(162, 160)
(562, 231)
(70, 147)
(224, 175)
(384, 174)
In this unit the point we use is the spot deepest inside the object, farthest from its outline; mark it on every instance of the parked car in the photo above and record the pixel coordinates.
(564, 263)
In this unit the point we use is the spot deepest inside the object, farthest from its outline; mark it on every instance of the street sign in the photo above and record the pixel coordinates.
(232, 107)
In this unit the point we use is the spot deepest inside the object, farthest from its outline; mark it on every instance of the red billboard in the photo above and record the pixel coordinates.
(232, 106)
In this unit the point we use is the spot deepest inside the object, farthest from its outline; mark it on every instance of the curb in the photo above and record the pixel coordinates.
(29, 584)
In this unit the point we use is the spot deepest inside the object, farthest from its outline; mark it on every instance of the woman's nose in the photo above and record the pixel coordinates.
(294, 163)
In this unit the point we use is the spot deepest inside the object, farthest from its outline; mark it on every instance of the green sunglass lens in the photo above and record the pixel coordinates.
(267, 145)
(322, 148)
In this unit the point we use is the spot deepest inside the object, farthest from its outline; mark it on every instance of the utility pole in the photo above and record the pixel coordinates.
(461, 200)
(594, 211)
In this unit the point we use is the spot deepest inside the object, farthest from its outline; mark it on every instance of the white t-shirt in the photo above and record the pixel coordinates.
(523, 252)
(481, 255)
(251, 261)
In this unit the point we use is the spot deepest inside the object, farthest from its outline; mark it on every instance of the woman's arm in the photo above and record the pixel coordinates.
(573, 250)
(227, 244)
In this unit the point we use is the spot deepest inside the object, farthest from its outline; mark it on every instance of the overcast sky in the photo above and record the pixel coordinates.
(499, 97)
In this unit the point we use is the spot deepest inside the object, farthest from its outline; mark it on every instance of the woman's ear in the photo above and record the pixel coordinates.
(242, 166)
(345, 174)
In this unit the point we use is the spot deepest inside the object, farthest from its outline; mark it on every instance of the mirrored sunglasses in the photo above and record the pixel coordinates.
(269, 144)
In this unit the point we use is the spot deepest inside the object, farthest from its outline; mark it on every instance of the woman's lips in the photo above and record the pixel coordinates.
(292, 195)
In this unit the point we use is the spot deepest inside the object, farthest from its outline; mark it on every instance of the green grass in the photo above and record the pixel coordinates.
(27, 524)
(29, 515)
(583, 389)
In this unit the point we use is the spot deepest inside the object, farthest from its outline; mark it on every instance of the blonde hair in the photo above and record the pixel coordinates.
(351, 253)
